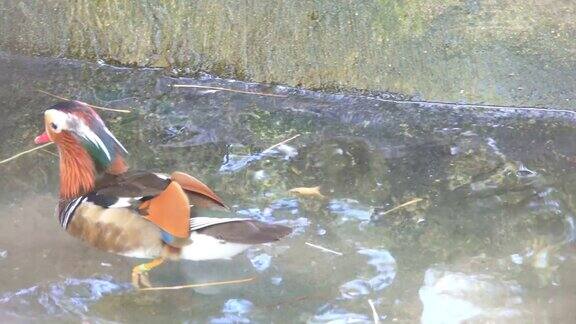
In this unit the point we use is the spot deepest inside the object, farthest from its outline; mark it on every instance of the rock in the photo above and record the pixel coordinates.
(456, 297)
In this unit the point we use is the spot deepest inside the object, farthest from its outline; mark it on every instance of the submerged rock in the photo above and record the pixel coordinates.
(344, 167)
(333, 314)
(384, 265)
(456, 297)
(472, 157)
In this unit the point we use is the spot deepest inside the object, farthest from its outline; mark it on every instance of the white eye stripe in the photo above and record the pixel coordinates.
(58, 118)
(162, 176)
(70, 122)
(114, 137)
(85, 132)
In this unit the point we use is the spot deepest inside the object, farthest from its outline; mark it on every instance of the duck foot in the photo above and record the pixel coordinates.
(140, 278)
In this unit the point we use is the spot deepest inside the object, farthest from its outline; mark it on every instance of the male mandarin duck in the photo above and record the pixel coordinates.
(137, 213)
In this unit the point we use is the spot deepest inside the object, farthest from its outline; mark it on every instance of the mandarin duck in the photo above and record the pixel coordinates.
(137, 213)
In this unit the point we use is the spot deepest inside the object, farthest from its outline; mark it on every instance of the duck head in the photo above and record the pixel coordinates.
(85, 145)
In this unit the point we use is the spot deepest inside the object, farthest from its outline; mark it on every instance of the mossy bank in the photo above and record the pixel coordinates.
(505, 52)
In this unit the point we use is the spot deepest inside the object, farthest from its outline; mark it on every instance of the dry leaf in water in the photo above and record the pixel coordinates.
(307, 192)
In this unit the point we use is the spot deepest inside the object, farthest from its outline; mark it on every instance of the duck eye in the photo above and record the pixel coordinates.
(54, 126)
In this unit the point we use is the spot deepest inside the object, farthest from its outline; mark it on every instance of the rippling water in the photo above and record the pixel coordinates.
(488, 235)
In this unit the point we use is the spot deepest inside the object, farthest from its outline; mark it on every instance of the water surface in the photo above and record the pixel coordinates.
(492, 238)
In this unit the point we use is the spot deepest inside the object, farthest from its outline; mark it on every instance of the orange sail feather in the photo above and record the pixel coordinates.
(170, 211)
(195, 186)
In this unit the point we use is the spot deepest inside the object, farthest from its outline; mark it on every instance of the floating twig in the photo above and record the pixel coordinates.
(281, 143)
(25, 152)
(208, 284)
(226, 89)
(480, 106)
(374, 313)
(323, 248)
(247, 160)
(93, 106)
(51, 153)
(406, 204)
(290, 301)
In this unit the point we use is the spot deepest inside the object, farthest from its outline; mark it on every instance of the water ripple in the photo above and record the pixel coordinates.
(71, 296)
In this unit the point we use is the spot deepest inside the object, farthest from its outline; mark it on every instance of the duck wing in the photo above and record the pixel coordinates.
(163, 200)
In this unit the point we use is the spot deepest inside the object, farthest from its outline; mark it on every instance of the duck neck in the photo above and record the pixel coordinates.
(77, 170)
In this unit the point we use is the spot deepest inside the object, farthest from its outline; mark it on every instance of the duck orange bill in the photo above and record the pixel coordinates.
(42, 138)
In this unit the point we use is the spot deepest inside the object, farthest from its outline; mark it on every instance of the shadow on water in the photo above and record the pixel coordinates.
(491, 238)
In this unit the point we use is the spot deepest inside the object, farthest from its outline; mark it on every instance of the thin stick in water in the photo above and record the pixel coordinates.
(291, 301)
(323, 248)
(93, 106)
(479, 106)
(51, 153)
(281, 143)
(226, 89)
(406, 204)
(25, 152)
(374, 313)
(208, 284)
